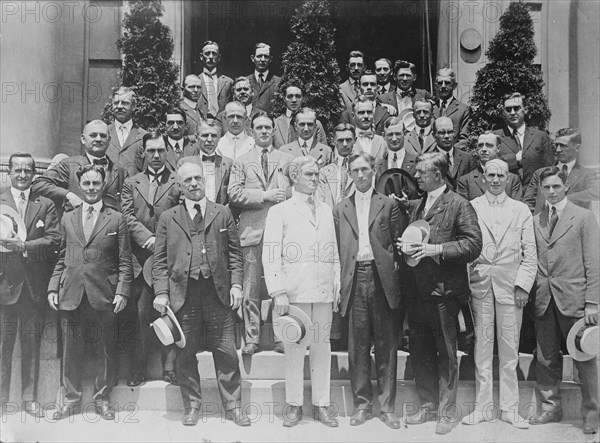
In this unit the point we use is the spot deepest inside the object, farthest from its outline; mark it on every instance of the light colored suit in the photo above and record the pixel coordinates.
(412, 145)
(227, 149)
(128, 156)
(224, 86)
(378, 147)
(311, 279)
(193, 118)
(347, 94)
(329, 190)
(508, 260)
(320, 152)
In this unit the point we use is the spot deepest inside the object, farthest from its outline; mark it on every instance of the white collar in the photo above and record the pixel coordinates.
(386, 86)
(559, 206)
(264, 74)
(189, 204)
(426, 130)
(288, 113)
(435, 194)
(190, 103)
(160, 171)
(301, 196)
(91, 158)
(17, 194)
(569, 165)
(231, 137)
(172, 142)
(495, 199)
(211, 73)
(520, 130)
(448, 101)
(97, 206)
(259, 149)
(364, 195)
(309, 142)
(128, 125)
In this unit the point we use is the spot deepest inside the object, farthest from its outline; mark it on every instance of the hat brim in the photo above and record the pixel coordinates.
(279, 327)
(171, 315)
(408, 179)
(9, 218)
(571, 348)
(421, 226)
(147, 270)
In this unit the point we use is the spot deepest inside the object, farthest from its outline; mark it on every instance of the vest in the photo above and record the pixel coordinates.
(199, 264)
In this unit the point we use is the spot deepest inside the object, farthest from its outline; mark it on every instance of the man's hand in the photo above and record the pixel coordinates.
(336, 301)
(13, 244)
(390, 109)
(53, 300)
(419, 251)
(160, 303)
(120, 302)
(73, 199)
(274, 195)
(591, 314)
(282, 304)
(149, 244)
(521, 297)
(236, 297)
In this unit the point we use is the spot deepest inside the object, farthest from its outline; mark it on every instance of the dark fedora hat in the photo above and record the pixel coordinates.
(395, 181)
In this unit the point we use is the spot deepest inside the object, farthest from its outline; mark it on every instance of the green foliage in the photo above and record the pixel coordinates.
(147, 50)
(509, 69)
(310, 62)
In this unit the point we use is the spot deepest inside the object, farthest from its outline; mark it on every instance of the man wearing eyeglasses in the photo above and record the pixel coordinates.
(525, 149)
(446, 105)
(264, 83)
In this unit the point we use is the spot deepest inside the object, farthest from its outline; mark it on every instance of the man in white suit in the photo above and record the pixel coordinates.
(296, 273)
(236, 141)
(500, 281)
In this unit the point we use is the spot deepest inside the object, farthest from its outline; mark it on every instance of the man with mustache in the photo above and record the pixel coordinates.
(125, 135)
(351, 87)
(60, 183)
(366, 139)
(264, 83)
(189, 103)
(244, 94)
(447, 105)
(178, 146)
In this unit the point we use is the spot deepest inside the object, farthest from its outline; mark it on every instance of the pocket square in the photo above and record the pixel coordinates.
(223, 230)
(111, 233)
(40, 224)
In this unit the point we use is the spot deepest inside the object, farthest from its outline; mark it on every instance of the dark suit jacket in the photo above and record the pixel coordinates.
(57, 182)
(464, 162)
(380, 116)
(460, 114)
(454, 225)
(189, 149)
(568, 267)
(583, 187)
(128, 156)
(100, 267)
(471, 185)
(193, 118)
(384, 228)
(390, 97)
(411, 142)
(142, 214)
(172, 252)
(286, 133)
(408, 164)
(263, 96)
(320, 152)
(222, 173)
(41, 244)
(537, 152)
(223, 121)
(224, 94)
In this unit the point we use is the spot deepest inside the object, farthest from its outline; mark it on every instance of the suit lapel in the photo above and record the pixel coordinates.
(274, 166)
(574, 176)
(102, 221)
(131, 138)
(509, 141)
(565, 222)
(452, 108)
(220, 84)
(165, 184)
(375, 207)
(143, 185)
(478, 179)
(33, 207)
(438, 206)
(209, 214)
(350, 213)
(112, 174)
(527, 138)
(543, 225)
(78, 224)
(181, 217)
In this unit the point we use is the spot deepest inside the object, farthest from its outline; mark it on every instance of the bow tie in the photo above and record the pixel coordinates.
(410, 93)
(209, 158)
(100, 161)
(365, 134)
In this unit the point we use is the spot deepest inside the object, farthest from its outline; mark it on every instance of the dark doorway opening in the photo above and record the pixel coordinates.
(395, 29)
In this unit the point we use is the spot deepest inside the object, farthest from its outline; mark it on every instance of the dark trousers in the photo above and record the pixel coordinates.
(207, 324)
(24, 319)
(371, 321)
(433, 346)
(550, 329)
(138, 336)
(86, 327)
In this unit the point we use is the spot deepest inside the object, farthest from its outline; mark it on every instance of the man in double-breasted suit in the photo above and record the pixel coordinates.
(583, 184)
(436, 287)
(60, 183)
(197, 271)
(24, 275)
(459, 162)
(145, 197)
(125, 147)
(501, 279)
(307, 144)
(189, 104)
(525, 149)
(264, 83)
(258, 180)
(308, 279)
(421, 138)
(177, 144)
(446, 105)
(405, 95)
(473, 184)
(567, 289)
(215, 90)
(89, 286)
(351, 87)
(367, 223)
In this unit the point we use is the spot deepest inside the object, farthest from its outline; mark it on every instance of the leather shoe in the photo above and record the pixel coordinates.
(191, 417)
(422, 416)
(390, 419)
(33, 408)
(474, 418)
(590, 426)
(104, 410)
(235, 415)
(279, 348)
(321, 414)
(292, 415)
(514, 419)
(444, 426)
(66, 411)
(360, 417)
(250, 349)
(546, 417)
(170, 377)
(135, 380)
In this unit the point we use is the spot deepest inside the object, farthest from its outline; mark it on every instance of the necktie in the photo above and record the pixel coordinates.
(261, 80)
(565, 171)
(382, 90)
(88, 226)
(153, 187)
(264, 162)
(211, 89)
(450, 165)
(122, 130)
(444, 103)
(22, 205)
(517, 139)
(177, 148)
(101, 161)
(344, 178)
(198, 216)
(209, 158)
(304, 148)
(553, 220)
(312, 206)
(395, 159)
(421, 138)
(356, 88)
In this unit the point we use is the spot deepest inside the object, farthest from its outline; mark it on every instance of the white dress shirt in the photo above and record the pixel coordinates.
(521, 135)
(366, 143)
(569, 166)
(264, 74)
(233, 146)
(495, 207)
(432, 198)
(189, 204)
(210, 178)
(17, 198)
(84, 212)
(363, 205)
(123, 130)
(399, 158)
(403, 102)
(560, 206)
(91, 159)
(308, 142)
(174, 142)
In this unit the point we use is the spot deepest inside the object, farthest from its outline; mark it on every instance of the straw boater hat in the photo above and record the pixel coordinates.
(147, 270)
(168, 329)
(583, 341)
(11, 221)
(416, 232)
(294, 327)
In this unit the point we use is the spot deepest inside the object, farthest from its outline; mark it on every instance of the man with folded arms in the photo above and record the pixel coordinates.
(500, 280)
(296, 273)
